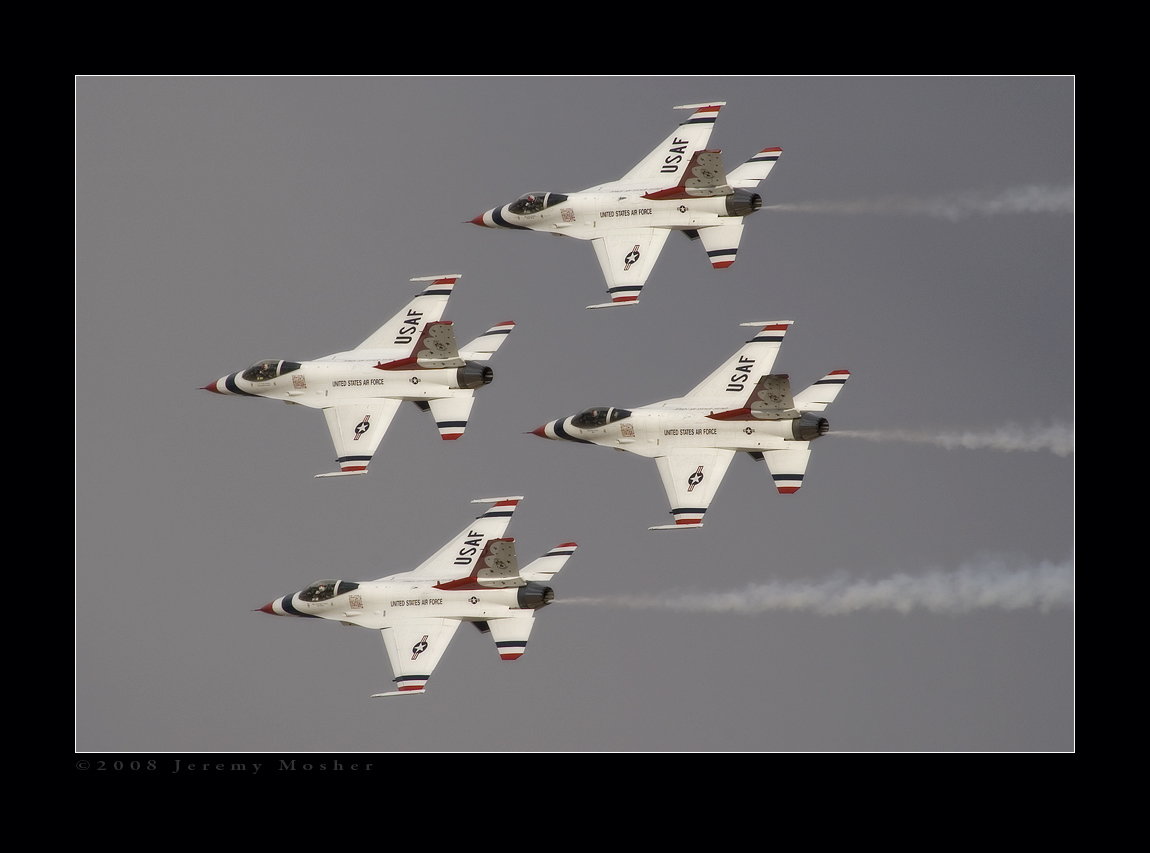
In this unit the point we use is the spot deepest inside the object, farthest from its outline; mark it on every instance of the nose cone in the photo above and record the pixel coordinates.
(542, 431)
(483, 219)
(269, 608)
(214, 387)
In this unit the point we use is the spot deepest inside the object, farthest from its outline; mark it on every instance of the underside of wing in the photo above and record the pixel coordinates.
(495, 567)
(704, 177)
(627, 258)
(664, 166)
(414, 647)
(729, 385)
(691, 476)
(401, 331)
(356, 430)
(458, 557)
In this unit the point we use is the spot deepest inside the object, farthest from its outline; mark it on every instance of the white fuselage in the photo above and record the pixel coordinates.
(588, 215)
(654, 430)
(345, 376)
(376, 604)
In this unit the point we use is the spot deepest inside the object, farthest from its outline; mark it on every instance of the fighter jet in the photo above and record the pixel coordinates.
(474, 578)
(680, 186)
(413, 356)
(740, 408)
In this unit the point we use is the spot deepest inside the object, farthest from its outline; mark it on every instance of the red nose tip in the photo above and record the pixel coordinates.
(540, 431)
(478, 220)
(267, 608)
(211, 387)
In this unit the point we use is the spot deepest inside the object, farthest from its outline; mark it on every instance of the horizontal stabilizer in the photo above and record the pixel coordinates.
(820, 395)
(547, 566)
(721, 242)
(451, 414)
(756, 169)
(511, 635)
(340, 474)
(486, 344)
(788, 467)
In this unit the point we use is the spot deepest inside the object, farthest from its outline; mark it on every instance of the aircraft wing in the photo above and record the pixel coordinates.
(664, 166)
(402, 330)
(627, 258)
(728, 387)
(414, 647)
(356, 429)
(691, 476)
(458, 558)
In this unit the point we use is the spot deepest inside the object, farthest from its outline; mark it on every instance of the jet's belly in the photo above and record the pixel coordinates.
(698, 430)
(353, 381)
(378, 605)
(688, 430)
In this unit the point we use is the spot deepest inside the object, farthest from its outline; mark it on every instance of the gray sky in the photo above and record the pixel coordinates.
(925, 242)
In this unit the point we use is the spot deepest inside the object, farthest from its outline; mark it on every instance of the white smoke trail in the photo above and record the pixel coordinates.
(953, 207)
(991, 583)
(1057, 438)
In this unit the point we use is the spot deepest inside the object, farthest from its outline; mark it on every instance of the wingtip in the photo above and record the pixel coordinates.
(416, 692)
(616, 304)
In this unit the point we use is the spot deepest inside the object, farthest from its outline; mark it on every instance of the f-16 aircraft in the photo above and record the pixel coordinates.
(413, 356)
(740, 408)
(474, 578)
(680, 186)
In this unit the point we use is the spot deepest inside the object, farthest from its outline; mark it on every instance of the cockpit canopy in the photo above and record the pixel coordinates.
(268, 369)
(323, 590)
(534, 202)
(598, 416)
